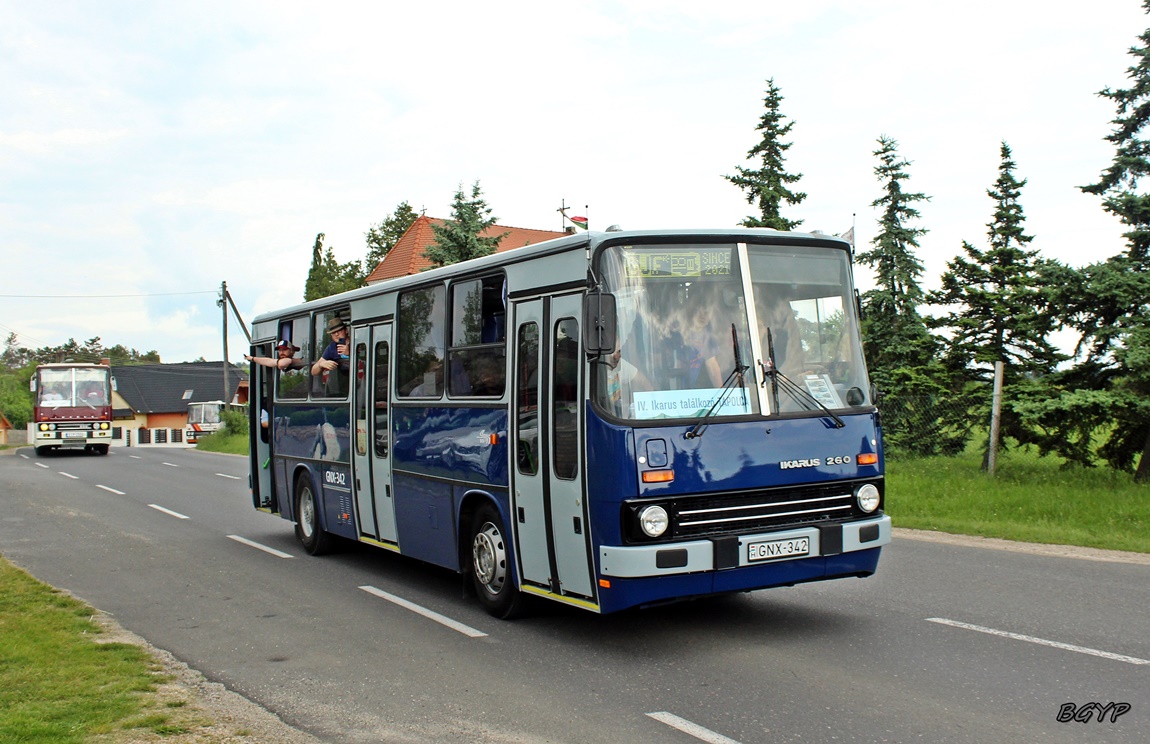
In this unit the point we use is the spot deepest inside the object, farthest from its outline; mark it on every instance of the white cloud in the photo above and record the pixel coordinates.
(167, 148)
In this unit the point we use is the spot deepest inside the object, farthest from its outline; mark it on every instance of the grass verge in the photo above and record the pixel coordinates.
(225, 442)
(60, 680)
(1030, 499)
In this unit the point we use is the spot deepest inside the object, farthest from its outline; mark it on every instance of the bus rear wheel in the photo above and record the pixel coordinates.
(491, 565)
(315, 540)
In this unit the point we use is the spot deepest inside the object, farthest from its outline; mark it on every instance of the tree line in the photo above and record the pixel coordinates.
(1000, 301)
(17, 363)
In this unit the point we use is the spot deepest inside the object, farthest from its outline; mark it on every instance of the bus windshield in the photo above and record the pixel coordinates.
(72, 387)
(686, 311)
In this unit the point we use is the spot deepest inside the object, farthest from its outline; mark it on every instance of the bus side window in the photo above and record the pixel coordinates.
(420, 324)
(292, 381)
(328, 327)
(476, 358)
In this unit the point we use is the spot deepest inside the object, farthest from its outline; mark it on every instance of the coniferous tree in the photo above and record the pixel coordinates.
(900, 351)
(1110, 304)
(1001, 313)
(768, 185)
(383, 236)
(327, 276)
(460, 238)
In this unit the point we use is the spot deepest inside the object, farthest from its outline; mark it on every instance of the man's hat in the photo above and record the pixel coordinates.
(285, 344)
(336, 322)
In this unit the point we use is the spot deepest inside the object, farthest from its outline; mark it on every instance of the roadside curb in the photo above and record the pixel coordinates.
(1059, 551)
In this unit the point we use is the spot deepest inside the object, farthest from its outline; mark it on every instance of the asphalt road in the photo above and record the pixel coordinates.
(947, 643)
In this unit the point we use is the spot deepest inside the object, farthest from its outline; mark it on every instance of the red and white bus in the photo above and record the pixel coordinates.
(72, 407)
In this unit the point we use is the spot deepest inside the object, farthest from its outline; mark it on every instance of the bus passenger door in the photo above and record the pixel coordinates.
(370, 456)
(548, 500)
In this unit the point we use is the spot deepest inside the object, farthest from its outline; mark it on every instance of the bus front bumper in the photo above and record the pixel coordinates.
(741, 551)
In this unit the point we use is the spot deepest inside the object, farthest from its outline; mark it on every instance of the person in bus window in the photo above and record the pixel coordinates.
(285, 357)
(337, 354)
(700, 342)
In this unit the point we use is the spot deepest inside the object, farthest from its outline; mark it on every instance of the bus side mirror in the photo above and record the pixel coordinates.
(599, 324)
(32, 384)
(113, 383)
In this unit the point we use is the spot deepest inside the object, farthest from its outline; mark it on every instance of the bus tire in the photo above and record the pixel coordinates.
(490, 565)
(43, 451)
(315, 540)
(102, 449)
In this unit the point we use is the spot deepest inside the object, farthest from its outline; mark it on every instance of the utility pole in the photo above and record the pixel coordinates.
(222, 302)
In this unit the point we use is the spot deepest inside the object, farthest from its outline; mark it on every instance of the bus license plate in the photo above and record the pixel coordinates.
(78, 434)
(775, 549)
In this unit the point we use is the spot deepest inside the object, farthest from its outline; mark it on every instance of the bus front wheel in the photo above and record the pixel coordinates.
(491, 565)
(311, 535)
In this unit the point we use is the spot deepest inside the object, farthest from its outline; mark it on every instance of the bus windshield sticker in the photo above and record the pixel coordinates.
(655, 404)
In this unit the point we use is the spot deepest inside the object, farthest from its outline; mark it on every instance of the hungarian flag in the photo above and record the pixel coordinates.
(580, 222)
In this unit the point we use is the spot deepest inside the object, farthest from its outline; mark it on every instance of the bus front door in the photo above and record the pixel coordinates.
(548, 503)
(370, 448)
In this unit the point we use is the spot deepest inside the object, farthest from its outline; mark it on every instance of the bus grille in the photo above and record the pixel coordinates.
(707, 516)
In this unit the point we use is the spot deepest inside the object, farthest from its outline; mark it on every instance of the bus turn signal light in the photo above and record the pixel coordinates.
(658, 476)
(868, 458)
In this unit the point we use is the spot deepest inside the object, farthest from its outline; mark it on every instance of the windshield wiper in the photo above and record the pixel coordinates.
(736, 375)
(797, 392)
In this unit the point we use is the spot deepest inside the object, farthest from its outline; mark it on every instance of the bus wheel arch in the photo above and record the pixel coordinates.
(308, 518)
(487, 559)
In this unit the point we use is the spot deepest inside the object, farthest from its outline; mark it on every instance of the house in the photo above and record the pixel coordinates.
(156, 396)
(5, 427)
(406, 257)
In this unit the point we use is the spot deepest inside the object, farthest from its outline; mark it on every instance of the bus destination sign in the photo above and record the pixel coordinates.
(678, 264)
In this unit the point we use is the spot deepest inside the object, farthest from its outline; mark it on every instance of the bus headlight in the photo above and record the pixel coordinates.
(867, 497)
(653, 520)
(43, 427)
(103, 424)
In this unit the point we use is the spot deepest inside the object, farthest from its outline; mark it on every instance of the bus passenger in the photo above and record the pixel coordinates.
(285, 358)
(337, 354)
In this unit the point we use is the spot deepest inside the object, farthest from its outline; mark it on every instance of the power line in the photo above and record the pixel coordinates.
(93, 297)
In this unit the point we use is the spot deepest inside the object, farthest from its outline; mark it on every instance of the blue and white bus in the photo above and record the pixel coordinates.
(608, 420)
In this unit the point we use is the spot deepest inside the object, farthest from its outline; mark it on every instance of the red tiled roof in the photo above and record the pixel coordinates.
(407, 258)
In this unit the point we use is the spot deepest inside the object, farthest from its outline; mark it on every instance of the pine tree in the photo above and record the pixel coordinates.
(1001, 313)
(327, 276)
(1112, 307)
(900, 351)
(767, 186)
(383, 236)
(460, 238)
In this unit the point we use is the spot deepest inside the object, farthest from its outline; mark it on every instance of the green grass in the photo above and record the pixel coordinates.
(224, 441)
(57, 683)
(1030, 499)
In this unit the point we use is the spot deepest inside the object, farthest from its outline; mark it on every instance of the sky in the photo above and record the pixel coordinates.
(150, 151)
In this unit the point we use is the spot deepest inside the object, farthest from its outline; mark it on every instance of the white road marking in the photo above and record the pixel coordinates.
(171, 464)
(25, 456)
(693, 729)
(257, 546)
(429, 614)
(233, 477)
(1040, 641)
(157, 507)
(135, 457)
(110, 490)
(69, 475)
(41, 465)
